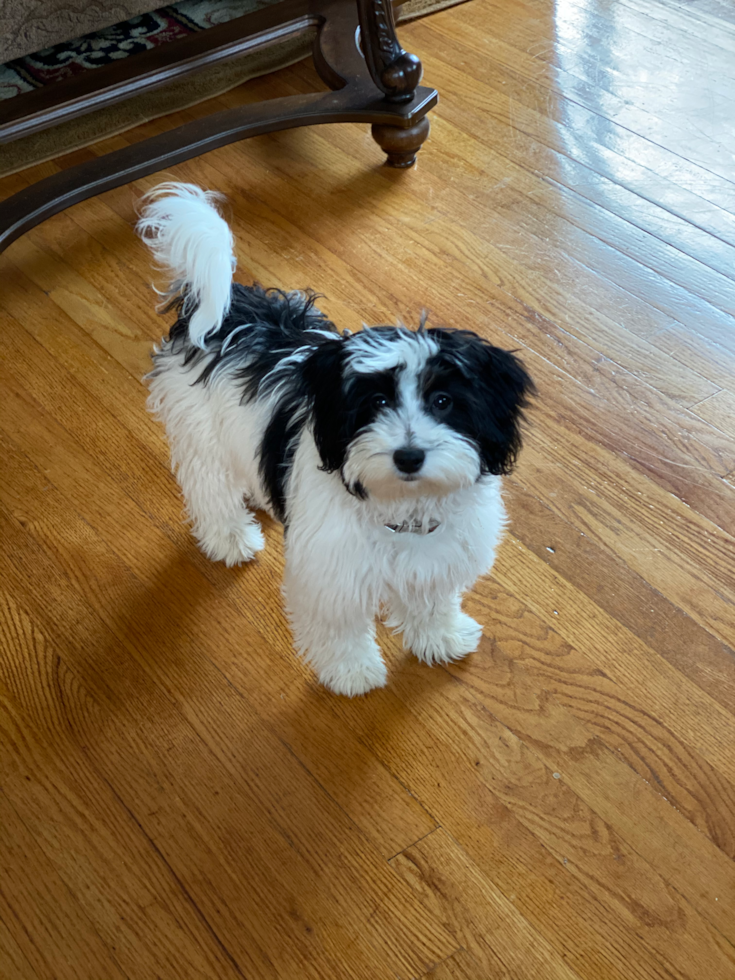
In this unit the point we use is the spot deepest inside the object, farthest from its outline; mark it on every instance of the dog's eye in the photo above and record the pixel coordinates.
(379, 401)
(441, 403)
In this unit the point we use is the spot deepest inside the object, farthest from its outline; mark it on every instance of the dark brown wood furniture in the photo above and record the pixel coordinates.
(356, 52)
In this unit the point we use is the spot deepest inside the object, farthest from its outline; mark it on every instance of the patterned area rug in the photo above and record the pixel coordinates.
(119, 41)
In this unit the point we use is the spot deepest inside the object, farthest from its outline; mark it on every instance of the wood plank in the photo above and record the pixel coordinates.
(710, 11)
(199, 840)
(624, 595)
(647, 36)
(655, 460)
(493, 700)
(703, 228)
(611, 337)
(589, 169)
(630, 719)
(671, 25)
(112, 328)
(506, 809)
(706, 351)
(659, 537)
(563, 205)
(706, 495)
(622, 657)
(484, 922)
(665, 371)
(718, 410)
(250, 907)
(486, 180)
(142, 915)
(458, 966)
(710, 501)
(399, 819)
(46, 923)
(12, 961)
(156, 613)
(569, 64)
(416, 220)
(633, 814)
(571, 68)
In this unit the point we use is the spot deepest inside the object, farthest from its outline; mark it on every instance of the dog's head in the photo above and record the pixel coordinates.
(401, 413)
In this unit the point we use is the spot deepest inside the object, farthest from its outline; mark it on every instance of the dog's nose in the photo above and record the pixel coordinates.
(409, 460)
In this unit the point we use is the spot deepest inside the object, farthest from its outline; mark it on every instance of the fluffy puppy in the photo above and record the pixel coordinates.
(381, 451)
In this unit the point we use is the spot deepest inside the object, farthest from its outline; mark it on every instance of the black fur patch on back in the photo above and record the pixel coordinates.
(262, 328)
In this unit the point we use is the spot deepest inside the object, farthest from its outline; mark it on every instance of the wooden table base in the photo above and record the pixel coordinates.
(380, 87)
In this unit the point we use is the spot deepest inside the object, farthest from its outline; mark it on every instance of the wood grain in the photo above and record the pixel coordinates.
(458, 966)
(45, 925)
(399, 821)
(718, 410)
(659, 451)
(491, 811)
(178, 797)
(484, 922)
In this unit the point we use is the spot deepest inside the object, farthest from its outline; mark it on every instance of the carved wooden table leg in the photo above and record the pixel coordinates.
(397, 74)
(396, 108)
(401, 145)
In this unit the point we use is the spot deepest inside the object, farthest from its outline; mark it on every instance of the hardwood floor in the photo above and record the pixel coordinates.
(178, 798)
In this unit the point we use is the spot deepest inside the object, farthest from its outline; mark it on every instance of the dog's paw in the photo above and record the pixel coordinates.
(352, 678)
(444, 646)
(233, 546)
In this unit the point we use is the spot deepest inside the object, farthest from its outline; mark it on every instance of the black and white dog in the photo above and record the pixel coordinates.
(380, 451)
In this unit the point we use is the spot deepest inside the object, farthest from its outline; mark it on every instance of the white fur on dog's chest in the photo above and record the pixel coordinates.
(327, 519)
(469, 526)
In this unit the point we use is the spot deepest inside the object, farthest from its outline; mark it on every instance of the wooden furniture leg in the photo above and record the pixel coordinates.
(401, 144)
(380, 87)
(397, 74)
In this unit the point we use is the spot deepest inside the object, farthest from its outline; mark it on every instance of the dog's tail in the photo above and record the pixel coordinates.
(189, 237)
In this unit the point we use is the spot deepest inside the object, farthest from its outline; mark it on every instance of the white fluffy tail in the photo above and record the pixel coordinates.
(190, 238)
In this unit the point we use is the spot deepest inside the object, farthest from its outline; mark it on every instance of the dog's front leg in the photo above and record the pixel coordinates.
(336, 638)
(433, 625)
(332, 616)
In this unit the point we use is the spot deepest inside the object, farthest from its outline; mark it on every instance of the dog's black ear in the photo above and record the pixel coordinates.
(506, 388)
(492, 388)
(321, 373)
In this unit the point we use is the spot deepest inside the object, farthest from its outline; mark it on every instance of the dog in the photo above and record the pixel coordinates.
(381, 451)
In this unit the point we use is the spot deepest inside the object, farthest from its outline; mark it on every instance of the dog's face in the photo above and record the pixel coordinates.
(407, 414)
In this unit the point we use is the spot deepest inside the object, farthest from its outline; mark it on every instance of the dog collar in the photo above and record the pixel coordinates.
(412, 527)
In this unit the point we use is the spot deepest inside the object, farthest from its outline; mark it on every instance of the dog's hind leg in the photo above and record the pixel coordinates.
(225, 528)
(197, 425)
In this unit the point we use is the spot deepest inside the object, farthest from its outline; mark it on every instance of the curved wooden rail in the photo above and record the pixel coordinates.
(31, 206)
